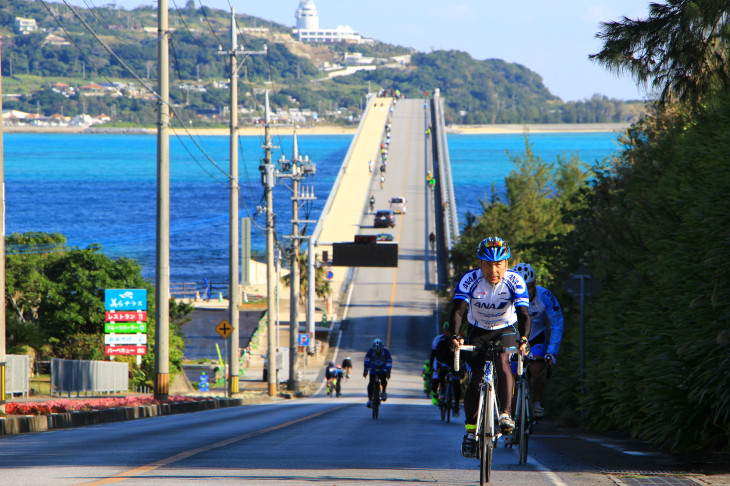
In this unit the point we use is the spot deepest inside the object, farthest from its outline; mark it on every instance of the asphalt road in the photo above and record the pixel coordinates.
(335, 441)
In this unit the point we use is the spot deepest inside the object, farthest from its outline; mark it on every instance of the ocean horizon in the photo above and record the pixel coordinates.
(101, 188)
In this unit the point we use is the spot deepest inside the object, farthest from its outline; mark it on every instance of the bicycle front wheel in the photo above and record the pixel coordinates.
(523, 416)
(486, 438)
(449, 402)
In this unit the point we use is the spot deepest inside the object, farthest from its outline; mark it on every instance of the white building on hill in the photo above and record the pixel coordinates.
(308, 30)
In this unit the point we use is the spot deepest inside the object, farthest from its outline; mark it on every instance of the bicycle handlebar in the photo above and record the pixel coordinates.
(464, 347)
(471, 347)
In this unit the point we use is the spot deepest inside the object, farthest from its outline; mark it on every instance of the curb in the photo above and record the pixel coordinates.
(19, 424)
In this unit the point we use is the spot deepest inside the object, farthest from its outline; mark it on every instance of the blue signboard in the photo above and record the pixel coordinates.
(303, 339)
(125, 299)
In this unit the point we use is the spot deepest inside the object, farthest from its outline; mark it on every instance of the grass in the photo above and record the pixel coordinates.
(41, 385)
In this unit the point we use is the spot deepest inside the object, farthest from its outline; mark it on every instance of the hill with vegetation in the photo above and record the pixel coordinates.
(106, 45)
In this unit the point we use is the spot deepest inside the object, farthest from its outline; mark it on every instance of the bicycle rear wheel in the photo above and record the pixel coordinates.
(486, 439)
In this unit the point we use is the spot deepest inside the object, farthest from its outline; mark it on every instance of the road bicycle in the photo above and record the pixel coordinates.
(447, 403)
(376, 396)
(486, 433)
(523, 410)
(332, 387)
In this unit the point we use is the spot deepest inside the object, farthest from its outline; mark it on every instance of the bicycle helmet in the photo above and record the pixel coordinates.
(339, 367)
(378, 346)
(331, 364)
(526, 271)
(493, 249)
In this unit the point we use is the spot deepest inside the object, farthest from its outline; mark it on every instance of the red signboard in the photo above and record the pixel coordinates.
(125, 350)
(125, 316)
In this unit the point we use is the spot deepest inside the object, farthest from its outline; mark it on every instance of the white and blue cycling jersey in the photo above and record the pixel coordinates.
(492, 306)
(545, 313)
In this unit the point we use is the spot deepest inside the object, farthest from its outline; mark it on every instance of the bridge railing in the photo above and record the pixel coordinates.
(448, 209)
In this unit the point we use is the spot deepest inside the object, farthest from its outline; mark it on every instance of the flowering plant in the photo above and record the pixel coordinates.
(68, 405)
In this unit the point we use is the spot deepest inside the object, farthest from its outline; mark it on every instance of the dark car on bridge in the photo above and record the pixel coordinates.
(384, 219)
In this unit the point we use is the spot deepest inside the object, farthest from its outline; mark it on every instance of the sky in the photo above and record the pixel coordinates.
(551, 37)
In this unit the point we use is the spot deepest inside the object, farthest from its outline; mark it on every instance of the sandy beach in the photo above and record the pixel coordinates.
(335, 130)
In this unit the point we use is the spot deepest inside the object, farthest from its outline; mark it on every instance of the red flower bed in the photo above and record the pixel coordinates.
(62, 406)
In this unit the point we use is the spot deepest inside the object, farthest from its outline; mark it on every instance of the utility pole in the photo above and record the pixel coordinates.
(234, 292)
(162, 268)
(296, 169)
(294, 275)
(2, 249)
(268, 180)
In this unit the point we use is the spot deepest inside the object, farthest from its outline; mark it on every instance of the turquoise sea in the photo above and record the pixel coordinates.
(102, 188)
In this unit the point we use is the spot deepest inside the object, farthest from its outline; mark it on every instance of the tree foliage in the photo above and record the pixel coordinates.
(680, 50)
(655, 234)
(530, 218)
(55, 300)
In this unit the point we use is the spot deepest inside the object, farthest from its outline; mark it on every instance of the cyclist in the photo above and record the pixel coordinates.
(382, 181)
(330, 372)
(339, 375)
(372, 203)
(443, 359)
(432, 240)
(435, 364)
(347, 367)
(426, 375)
(378, 362)
(546, 319)
(492, 299)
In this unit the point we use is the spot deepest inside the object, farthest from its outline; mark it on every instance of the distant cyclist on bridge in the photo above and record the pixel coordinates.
(377, 362)
(545, 317)
(492, 299)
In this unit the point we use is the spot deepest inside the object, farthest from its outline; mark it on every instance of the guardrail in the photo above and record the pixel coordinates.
(76, 376)
(341, 173)
(194, 290)
(446, 184)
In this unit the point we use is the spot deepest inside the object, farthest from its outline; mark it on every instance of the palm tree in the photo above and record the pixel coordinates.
(681, 50)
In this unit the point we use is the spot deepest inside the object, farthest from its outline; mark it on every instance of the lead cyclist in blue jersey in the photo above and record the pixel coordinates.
(545, 316)
(378, 362)
(495, 303)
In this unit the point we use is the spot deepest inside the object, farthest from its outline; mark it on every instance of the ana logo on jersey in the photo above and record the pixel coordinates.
(466, 283)
(490, 305)
(517, 282)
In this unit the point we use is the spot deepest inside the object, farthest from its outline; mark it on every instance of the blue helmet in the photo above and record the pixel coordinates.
(527, 272)
(378, 346)
(493, 249)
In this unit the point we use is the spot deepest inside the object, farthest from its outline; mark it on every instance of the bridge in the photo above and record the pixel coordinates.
(413, 133)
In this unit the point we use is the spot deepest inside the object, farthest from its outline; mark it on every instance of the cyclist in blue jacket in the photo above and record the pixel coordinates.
(378, 362)
(546, 318)
(495, 303)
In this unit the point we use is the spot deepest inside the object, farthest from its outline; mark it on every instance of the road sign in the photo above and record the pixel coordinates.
(126, 316)
(329, 275)
(303, 339)
(125, 350)
(125, 327)
(125, 299)
(123, 339)
(224, 329)
(582, 281)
